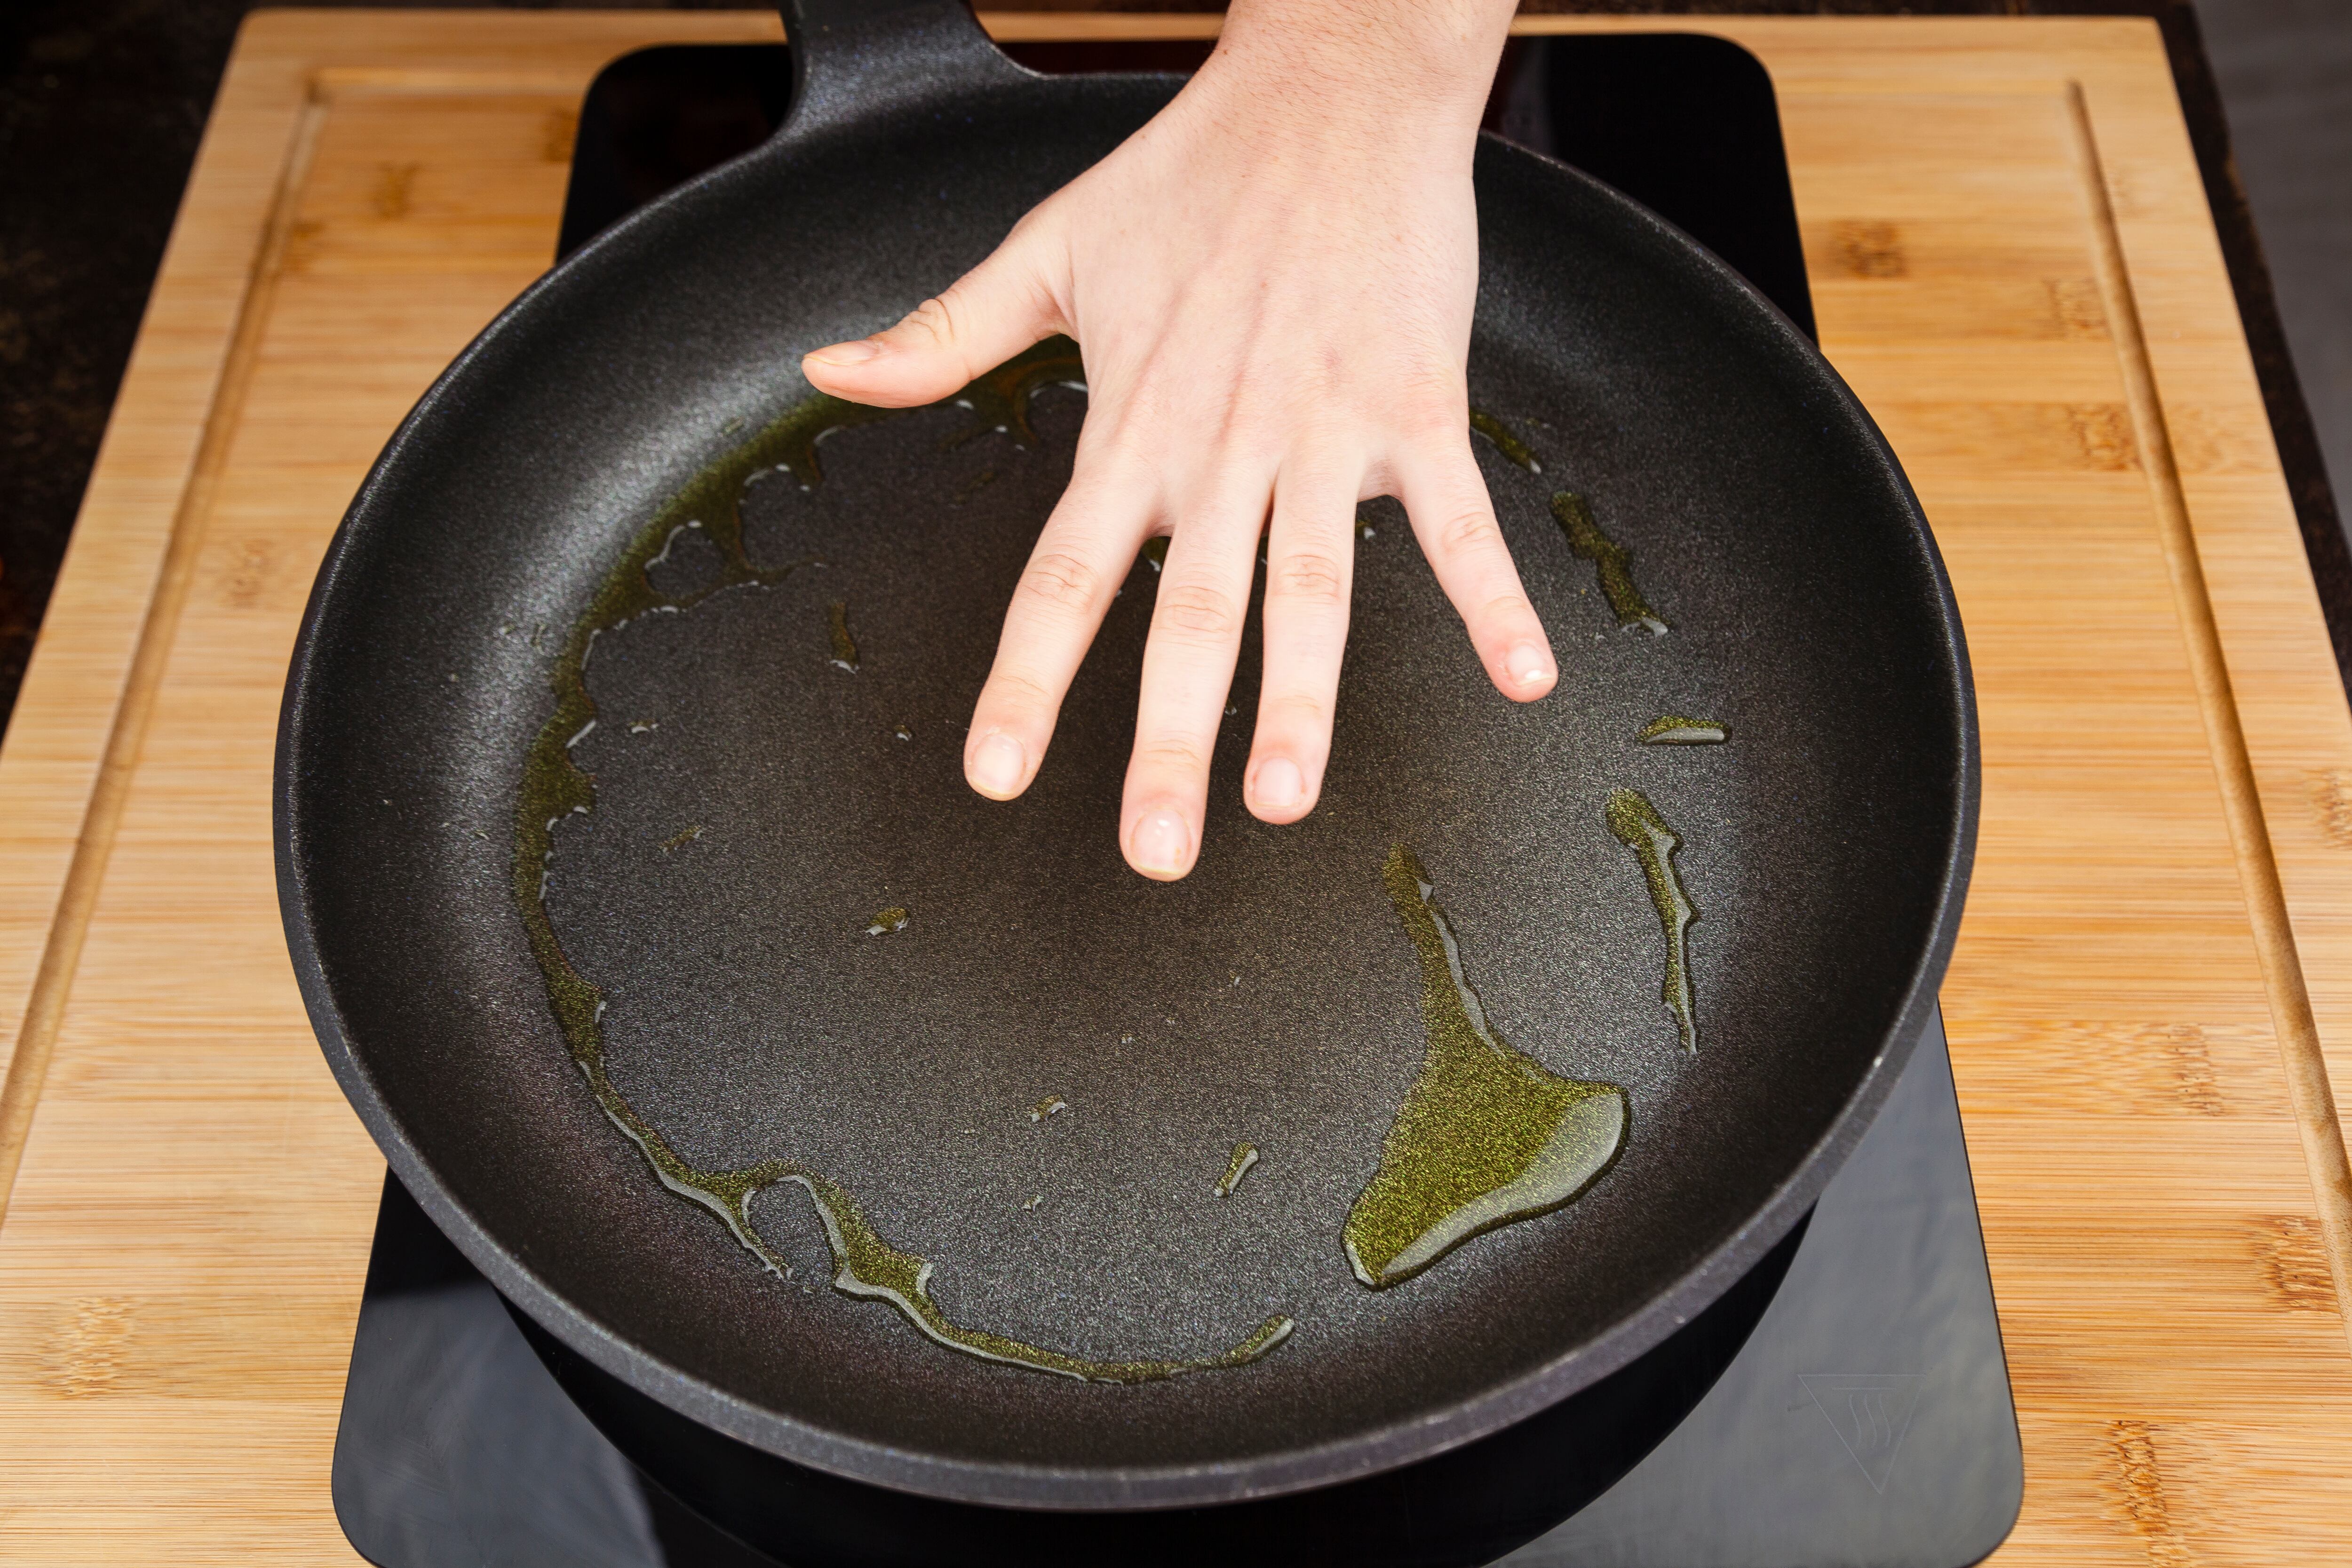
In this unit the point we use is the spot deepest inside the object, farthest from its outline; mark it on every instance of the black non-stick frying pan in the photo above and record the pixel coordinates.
(645, 917)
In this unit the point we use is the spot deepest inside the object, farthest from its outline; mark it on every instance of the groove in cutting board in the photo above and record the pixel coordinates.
(2233, 771)
(53, 981)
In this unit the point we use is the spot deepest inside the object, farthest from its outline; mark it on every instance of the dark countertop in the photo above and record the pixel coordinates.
(102, 103)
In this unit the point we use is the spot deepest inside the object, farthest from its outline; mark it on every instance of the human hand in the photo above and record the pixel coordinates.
(1271, 284)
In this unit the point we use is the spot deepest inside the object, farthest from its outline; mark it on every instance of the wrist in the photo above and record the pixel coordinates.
(1428, 65)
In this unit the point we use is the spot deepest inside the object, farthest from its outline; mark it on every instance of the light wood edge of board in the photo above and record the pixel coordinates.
(84, 708)
(72, 745)
(2274, 941)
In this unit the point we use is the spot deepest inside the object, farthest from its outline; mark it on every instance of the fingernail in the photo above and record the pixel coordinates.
(1279, 784)
(1160, 842)
(1527, 664)
(858, 352)
(997, 764)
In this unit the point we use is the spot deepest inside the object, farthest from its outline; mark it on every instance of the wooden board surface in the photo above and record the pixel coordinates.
(2012, 263)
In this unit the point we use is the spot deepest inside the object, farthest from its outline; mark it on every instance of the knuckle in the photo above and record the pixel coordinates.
(1470, 532)
(1308, 579)
(1059, 581)
(1170, 754)
(1291, 713)
(1196, 611)
(1435, 415)
(935, 318)
(1015, 691)
(1505, 608)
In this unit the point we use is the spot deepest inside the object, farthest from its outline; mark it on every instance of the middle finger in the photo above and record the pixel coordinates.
(1188, 669)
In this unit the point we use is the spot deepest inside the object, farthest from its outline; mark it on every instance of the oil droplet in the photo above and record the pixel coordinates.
(902, 731)
(1155, 552)
(1509, 445)
(1674, 730)
(1638, 827)
(644, 728)
(887, 920)
(1033, 1201)
(1051, 1105)
(681, 838)
(1611, 562)
(844, 652)
(1487, 1134)
(1245, 1156)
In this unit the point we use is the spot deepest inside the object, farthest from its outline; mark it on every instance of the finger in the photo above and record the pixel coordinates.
(984, 318)
(1188, 669)
(1310, 556)
(1446, 497)
(1082, 555)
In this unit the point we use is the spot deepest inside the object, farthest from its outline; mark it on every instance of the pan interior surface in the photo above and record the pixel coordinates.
(810, 943)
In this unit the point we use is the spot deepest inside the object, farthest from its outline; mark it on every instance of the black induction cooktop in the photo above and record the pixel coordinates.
(1847, 1404)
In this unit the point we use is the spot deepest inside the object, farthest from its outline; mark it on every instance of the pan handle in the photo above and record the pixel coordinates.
(849, 56)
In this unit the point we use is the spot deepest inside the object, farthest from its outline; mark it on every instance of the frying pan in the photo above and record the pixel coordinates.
(783, 938)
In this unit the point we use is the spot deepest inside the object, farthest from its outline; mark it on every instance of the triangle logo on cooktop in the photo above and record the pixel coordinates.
(1870, 1412)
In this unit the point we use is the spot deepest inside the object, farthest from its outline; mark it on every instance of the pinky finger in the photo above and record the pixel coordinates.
(1446, 496)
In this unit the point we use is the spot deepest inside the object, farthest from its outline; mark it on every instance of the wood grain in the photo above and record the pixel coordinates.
(2012, 264)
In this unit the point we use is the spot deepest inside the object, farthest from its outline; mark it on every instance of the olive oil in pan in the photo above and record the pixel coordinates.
(1611, 562)
(554, 787)
(1507, 443)
(1487, 1134)
(845, 647)
(1638, 827)
(1245, 1156)
(867, 1266)
(1674, 730)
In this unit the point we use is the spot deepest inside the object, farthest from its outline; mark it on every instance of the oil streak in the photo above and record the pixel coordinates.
(554, 787)
(1509, 445)
(1674, 730)
(844, 649)
(1611, 562)
(1638, 827)
(1487, 1134)
(1245, 1156)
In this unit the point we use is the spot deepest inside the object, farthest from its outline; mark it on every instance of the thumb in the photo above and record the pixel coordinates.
(990, 314)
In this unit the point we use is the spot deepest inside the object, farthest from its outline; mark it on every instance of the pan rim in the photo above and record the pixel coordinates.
(1017, 1485)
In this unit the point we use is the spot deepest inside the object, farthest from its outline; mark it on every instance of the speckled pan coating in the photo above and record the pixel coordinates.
(752, 1016)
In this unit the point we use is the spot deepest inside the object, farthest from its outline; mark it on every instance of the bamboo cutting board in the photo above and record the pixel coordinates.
(2012, 263)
